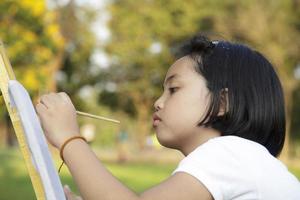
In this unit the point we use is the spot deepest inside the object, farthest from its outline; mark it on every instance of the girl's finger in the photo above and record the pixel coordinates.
(64, 96)
(78, 198)
(70, 195)
(46, 100)
(40, 108)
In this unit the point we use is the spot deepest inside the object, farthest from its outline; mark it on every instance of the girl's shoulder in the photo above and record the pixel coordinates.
(233, 140)
(231, 166)
(236, 152)
(232, 145)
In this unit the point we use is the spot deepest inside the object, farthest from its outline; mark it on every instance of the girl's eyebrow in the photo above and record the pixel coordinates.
(170, 78)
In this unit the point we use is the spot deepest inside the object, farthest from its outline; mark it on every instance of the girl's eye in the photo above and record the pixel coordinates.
(173, 89)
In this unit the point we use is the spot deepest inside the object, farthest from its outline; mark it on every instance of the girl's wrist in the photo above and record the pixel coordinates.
(69, 140)
(61, 142)
(72, 147)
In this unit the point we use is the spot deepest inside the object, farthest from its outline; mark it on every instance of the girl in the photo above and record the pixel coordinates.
(222, 107)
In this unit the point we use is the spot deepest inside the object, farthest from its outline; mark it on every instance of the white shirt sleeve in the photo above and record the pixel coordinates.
(217, 167)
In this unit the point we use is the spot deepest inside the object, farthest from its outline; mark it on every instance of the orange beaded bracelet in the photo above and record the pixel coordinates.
(64, 145)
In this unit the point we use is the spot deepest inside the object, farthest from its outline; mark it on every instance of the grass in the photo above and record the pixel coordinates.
(15, 183)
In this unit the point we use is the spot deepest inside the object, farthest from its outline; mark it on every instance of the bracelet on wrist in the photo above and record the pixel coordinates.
(61, 151)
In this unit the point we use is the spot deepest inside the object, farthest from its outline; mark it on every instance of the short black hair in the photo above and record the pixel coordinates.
(255, 97)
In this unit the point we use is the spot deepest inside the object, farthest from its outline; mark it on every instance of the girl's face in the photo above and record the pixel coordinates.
(181, 106)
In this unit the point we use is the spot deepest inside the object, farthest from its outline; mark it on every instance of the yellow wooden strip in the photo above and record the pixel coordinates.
(6, 74)
(9, 71)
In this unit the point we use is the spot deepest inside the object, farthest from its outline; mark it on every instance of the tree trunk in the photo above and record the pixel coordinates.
(143, 125)
(8, 138)
(289, 87)
(3, 134)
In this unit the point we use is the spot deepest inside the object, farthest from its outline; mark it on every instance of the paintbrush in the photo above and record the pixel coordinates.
(97, 117)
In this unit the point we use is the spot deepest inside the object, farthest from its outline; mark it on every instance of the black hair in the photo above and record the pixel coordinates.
(255, 97)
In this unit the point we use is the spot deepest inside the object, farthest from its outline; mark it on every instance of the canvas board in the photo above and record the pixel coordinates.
(40, 154)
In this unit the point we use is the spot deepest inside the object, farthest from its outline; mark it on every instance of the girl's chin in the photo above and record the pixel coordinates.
(165, 141)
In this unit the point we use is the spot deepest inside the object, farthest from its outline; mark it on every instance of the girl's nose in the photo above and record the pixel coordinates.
(158, 105)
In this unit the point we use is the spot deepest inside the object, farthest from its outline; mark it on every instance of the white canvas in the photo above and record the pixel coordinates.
(36, 141)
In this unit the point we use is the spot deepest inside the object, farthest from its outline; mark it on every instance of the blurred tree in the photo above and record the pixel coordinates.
(76, 22)
(34, 46)
(145, 33)
(49, 48)
(295, 123)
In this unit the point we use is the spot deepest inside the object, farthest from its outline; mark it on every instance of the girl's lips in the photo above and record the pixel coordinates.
(156, 119)
(156, 122)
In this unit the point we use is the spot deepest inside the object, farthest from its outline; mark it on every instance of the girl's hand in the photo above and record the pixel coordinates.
(58, 117)
(70, 195)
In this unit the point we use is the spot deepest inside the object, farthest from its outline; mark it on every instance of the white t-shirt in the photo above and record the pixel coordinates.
(234, 168)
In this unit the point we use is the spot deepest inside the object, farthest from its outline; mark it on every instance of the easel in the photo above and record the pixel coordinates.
(6, 74)
(33, 145)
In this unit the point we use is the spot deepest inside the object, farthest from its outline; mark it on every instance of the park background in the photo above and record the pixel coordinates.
(111, 57)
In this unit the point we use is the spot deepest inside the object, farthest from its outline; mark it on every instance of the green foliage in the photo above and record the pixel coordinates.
(75, 23)
(32, 40)
(117, 102)
(135, 26)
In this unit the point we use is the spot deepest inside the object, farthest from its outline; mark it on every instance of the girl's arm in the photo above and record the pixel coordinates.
(95, 182)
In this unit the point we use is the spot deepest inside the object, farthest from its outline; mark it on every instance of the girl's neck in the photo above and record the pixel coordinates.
(201, 136)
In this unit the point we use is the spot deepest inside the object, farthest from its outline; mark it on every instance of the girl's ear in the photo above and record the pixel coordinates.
(224, 102)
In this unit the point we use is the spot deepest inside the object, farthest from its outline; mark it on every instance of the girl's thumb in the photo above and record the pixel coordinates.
(67, 189)
(68, 192)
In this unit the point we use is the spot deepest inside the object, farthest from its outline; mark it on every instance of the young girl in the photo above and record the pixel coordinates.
(222, 107)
